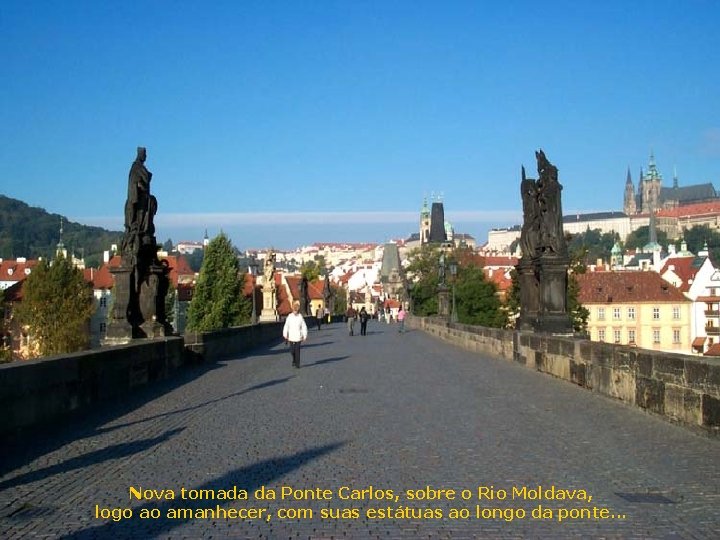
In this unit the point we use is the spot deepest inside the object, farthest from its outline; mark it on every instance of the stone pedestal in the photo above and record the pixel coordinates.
(528, 281)
(152, 302)
(443, 301)
(119, 330)
(554, 318)
(269, 312)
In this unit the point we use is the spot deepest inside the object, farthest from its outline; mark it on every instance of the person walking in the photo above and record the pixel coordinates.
(364, 316)
(351, 315)
(401, 320)
(319, 314)
(295, 332)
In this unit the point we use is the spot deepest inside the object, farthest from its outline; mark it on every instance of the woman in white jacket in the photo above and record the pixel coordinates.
(295, 332)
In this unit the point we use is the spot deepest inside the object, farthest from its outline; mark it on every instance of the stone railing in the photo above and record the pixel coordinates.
(681, 388)
(36, 391)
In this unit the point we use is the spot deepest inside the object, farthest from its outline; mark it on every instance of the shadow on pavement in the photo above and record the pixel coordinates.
(198, 406)
(114, 451)
(328, 360)
(23, 446)
(248, 478)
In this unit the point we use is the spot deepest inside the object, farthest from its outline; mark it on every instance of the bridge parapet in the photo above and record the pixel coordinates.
(681, 388)
(36, 391)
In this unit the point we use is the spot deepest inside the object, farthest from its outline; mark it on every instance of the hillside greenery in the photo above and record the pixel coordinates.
(31, 232)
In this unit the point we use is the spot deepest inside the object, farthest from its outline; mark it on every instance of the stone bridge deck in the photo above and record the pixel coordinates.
(386, 410)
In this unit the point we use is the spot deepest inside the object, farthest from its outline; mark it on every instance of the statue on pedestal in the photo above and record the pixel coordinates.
(141, 280)
(269, 312)
(542, 270)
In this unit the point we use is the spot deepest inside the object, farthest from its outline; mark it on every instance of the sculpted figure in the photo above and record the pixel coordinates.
(530, 233)
(269, 271)
(140, 205)
(552, 239)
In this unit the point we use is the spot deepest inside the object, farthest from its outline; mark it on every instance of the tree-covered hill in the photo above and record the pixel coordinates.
(32, 232)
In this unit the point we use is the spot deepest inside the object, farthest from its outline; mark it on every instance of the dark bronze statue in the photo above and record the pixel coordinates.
(542, 270)
(304, 297)
(530, 232)
(552, 238)
(141, 281)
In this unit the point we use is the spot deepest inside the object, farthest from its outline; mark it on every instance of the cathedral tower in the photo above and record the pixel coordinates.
(629, 206)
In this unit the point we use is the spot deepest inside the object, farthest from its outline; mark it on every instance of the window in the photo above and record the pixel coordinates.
(616, 314)
(601, 334)
(631, 313)
(656, 336)
(103, 301)
(676, 335)
(676, 313)
(617, 334)
(631, 337)
(601, 314)
(656, 313)
(103, 327)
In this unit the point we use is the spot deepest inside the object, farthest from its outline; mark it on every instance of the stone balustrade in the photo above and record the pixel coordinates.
(681, 388)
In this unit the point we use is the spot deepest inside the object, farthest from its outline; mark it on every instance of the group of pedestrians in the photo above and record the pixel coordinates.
(295, 330)
(352, 315)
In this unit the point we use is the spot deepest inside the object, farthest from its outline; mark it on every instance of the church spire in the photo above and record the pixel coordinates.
(675, 178)
(60, 250)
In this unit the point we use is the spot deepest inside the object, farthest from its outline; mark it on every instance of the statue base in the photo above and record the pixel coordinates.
(443, 301)
(268, 315)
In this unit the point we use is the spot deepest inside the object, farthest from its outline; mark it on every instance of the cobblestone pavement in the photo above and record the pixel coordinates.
(386, 411)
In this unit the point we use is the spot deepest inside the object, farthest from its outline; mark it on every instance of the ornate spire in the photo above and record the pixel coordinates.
(629, 178)
(653, 173)
(675, 178)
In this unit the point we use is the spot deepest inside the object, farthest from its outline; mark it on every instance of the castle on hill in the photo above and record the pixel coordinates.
(652, 196)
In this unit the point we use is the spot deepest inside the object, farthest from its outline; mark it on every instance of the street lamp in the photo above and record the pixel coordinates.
(253, 267)
(453, 273)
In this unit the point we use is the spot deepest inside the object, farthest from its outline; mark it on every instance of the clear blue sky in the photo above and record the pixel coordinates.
(293, 109)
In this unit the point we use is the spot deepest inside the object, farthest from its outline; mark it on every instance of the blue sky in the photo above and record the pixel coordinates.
(284, 123)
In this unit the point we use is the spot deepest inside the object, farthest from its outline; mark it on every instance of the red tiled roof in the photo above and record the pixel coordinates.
(691, 210)
(683, 268)
(180, 271)
(713, 350)
(606, 287)
(12, 270)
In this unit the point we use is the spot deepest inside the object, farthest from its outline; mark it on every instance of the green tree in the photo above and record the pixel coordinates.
(477, 299)
(512, 300)
(698, 236)
(422, 272)
(57, 306)
(195, 259)
(592, 245)
(312, 269)
(340, 300)
(218, 301)
(641, 237)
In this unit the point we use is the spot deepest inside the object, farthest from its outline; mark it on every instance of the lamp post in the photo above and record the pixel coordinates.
(453, 273)
(253, 267)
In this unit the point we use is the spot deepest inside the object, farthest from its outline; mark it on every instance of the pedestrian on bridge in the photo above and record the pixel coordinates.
(401, 319)
(364, 316)
(295, 332)
(351, 315)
